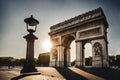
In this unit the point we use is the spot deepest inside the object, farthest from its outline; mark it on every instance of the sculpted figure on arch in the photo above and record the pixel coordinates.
(97, 49)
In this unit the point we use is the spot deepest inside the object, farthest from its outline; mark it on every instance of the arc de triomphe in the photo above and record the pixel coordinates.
(90, 27)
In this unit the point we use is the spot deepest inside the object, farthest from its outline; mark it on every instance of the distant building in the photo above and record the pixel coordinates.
(43, 59)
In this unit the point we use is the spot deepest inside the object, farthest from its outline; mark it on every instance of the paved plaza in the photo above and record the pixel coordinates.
(70, 73)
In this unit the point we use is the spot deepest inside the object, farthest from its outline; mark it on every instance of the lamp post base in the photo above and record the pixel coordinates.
(28, 67)
(28, 70)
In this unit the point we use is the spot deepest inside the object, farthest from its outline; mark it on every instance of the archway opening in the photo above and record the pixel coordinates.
(88, 54)
(67, 41)
(72, 53)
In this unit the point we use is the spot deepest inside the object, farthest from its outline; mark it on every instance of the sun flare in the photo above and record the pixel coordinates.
(46, 45)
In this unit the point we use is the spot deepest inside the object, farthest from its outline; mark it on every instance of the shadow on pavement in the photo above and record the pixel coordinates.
(24, 75)
(106, 73)
(69, 74)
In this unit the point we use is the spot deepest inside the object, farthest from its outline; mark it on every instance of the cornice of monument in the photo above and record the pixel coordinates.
(81, 19)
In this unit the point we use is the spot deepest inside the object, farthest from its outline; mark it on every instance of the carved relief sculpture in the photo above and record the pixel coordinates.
(54, 52)
(97, 49)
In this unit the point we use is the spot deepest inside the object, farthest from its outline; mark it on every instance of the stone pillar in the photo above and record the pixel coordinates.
(29, 65)
(59, 62)
(68, 57)
(79, 54)
(102, 60)
(105, 54)
(51, 57)
(61, 56)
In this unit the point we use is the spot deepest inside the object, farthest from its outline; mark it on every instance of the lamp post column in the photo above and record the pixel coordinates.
(29, 65)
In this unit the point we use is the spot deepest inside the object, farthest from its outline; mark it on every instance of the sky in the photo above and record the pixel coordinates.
(48, 13)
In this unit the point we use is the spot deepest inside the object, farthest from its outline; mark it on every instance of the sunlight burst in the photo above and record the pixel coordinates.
(46, 45)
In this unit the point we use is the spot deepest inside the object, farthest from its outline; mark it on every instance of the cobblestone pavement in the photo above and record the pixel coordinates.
(47, 73)
(9, 75)
(86, 74)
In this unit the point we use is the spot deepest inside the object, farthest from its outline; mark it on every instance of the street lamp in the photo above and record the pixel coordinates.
(29, 65)
(31, 24)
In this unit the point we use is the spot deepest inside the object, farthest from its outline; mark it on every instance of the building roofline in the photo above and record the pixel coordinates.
(98, 10)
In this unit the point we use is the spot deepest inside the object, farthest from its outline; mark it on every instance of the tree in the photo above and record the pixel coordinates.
(43, 59)
(21, 61)
(112, 60)
(5, 61)
(88, 61)
(73, 63)
(118, 60)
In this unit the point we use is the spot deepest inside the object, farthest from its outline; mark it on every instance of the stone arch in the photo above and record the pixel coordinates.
(88, 27)
(86, 53)
(66, 41)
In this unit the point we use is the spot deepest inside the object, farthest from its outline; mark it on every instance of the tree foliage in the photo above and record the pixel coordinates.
(43, 60)
(88, 61)
(114, 61)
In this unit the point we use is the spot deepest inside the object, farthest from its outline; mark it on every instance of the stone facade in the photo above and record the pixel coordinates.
(89, 27)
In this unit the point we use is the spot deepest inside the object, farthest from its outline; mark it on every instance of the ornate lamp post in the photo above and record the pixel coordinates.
(29, 65)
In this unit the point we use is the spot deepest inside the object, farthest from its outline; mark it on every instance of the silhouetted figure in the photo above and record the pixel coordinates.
(9, 65)
(13, 64)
